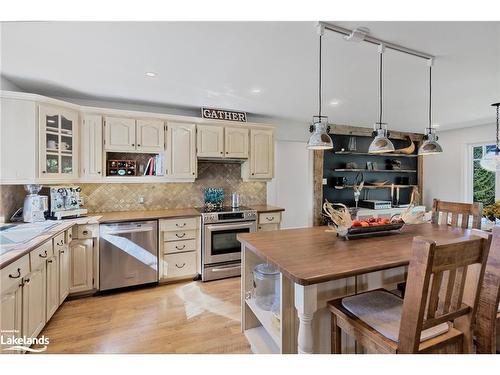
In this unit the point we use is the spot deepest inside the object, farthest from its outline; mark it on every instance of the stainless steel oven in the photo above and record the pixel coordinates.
(221, 251)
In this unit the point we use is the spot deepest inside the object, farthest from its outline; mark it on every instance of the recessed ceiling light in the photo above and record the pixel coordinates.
(150, 74)
(256, 91)
(334, 102)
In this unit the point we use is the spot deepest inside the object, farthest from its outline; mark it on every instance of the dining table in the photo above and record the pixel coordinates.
(316, 266)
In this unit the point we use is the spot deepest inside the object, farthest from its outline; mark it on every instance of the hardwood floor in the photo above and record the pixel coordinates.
(189, 317)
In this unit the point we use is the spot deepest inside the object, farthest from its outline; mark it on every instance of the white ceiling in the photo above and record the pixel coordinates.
(220, 63)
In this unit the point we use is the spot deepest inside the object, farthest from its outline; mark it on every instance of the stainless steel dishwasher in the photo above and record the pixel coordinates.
(128, 254)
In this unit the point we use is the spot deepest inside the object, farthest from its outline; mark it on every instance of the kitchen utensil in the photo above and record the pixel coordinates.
(378, 183)
(339, 181)
(235, 200)
(266, 286)
(52, 144)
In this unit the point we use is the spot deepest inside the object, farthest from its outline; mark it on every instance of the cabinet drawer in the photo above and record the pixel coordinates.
(13, 273)
(179, 246)
(179, 224)
(270, 218)
(179, 265)
(59, 242)
(41, 254)
(267, 227)
(179, 235)
(84, 232)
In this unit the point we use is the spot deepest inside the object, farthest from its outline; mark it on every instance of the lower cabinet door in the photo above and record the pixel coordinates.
(52, 286)
(34, 301)
(11, 314)
(179, 265)
(63, 274)
(81, 270)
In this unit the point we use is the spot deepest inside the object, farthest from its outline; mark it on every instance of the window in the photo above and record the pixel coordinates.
(483, 181)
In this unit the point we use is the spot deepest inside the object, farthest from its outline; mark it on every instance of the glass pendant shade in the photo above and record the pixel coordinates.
(491, 161)
(381, 143)
(430, 145)
(319, 139)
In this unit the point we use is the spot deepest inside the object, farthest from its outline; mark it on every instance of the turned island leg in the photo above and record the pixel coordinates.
(306, 305)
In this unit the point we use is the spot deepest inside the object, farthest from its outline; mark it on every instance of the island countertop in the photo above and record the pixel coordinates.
(311, 255)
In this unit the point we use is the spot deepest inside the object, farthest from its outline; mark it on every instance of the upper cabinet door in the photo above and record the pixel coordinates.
(181, 150)
(261, 154)
(236, 143)
(119, 134)
(150, 135)
(91, 146)
(58, 142)
(210, 141)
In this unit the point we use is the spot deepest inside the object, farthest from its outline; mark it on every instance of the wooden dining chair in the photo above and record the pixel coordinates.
(437, 312)
(487, 325)
(441, 212)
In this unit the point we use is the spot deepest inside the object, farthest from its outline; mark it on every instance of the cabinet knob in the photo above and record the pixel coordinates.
(221, 152)
(61, 252)
(227, 152)
(44, 171)
(26, 281)
(133, 144)
(85, 232)
(253, 174)
(138, 145)
(193, 173)
(49, 261)
(99, 172)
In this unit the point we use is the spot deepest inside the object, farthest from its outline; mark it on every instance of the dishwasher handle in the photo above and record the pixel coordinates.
(123, 229)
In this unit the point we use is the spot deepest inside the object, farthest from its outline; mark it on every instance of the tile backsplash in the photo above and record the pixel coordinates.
(126, 197)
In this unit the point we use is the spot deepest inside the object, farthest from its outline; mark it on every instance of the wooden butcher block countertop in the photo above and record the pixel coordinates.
(311, 255)
(113, 217)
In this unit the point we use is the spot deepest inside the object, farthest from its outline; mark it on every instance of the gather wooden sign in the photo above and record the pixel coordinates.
(222, 114)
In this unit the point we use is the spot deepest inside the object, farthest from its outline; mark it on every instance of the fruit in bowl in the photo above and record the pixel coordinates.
(371, 222)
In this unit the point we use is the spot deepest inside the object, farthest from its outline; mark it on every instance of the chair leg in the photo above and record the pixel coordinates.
(336, 345)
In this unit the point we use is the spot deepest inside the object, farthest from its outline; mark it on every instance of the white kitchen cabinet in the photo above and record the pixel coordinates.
(210, 141)
(63, 273)
(18, 141)
(34, 301)
(52, 293)
(58, 142)
(260, 165)
(91, 147)
(181, 150)
(236, 142)
(150, 135)
(119, 134)
(81, 269)
(11, 313)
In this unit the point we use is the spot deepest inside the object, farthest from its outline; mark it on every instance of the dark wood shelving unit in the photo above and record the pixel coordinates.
(330, 169)
(375, 170)
(391, 154)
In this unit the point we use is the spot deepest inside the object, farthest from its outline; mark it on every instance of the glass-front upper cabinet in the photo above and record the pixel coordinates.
(58, 142)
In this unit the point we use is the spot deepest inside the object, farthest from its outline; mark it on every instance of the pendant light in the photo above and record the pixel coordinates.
(430, 145)
(319, 139)
(491, 161)
(381, 142)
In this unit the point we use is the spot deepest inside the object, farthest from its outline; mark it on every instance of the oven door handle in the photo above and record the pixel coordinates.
(216, 227)
(226, 268)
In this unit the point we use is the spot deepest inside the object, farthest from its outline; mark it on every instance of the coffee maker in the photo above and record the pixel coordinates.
(34, 205)
(65, 202)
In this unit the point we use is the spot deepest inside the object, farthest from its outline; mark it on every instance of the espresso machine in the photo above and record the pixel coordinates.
(65, 202)
(34, 205)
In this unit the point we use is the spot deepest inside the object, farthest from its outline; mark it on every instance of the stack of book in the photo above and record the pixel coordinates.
(155, 166)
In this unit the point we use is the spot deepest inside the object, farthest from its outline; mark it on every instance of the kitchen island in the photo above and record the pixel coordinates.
(316, 267)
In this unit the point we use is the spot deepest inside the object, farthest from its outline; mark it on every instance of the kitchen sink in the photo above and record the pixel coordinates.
(11, 234)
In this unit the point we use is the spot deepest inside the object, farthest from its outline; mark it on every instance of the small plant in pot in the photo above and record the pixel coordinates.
(492, 211)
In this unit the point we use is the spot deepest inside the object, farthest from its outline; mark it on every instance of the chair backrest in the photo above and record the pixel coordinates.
(435, 291)
(457, 211)
(489, 299)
